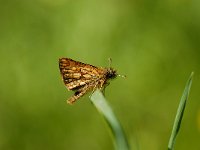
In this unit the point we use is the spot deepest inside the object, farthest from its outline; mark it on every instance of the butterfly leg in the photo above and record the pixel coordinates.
(93, 89)
(103, 88)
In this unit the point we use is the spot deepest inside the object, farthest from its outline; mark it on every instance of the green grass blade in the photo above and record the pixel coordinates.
(179, 114)
(105, 110)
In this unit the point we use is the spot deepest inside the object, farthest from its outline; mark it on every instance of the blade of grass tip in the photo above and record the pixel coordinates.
(99, 101)
(179, 114)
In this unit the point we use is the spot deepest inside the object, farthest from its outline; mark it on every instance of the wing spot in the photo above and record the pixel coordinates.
(87, 76)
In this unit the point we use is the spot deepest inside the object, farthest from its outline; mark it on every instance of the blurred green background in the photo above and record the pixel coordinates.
(154, 43)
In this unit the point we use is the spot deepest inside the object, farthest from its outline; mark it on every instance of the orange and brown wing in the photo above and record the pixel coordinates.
(76, 74)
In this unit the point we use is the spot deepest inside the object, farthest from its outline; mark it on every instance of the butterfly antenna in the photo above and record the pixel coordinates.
(123, 76)
(109, 62)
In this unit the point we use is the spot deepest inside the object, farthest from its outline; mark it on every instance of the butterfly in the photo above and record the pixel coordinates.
(82, 78)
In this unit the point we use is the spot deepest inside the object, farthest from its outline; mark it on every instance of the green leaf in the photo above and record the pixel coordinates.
(99, 101)
(179, 114)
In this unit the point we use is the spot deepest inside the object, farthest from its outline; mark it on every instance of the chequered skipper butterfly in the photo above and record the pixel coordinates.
(82, 78)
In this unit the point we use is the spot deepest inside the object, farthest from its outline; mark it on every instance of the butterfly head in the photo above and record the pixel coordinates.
(111, 73)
